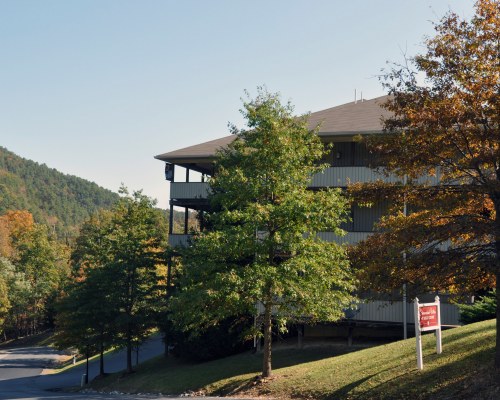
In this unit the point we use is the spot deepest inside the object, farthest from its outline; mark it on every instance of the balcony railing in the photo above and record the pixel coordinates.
(175, 240)
(343, 176)
(348, 238)
(391, 312)
(384, 311)
(189, 190)
(331, 177)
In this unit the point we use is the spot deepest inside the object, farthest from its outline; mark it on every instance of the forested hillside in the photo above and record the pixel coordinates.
(61, 201)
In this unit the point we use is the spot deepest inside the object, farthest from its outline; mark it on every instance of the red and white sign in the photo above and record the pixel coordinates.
(428, 316)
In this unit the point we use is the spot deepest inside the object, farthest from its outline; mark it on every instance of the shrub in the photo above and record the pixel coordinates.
(219, 341)
(483, 309)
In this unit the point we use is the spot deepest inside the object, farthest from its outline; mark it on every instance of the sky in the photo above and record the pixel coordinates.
(97, 88)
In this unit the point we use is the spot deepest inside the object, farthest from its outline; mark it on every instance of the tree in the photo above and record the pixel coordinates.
(13, 224)
(118, 264)
(18, 293)
(44, 266)
(35, 266)
(92, 248)
(263, 249)
(4, 295)
(86, 314)
(447, 126)
(137, 245)
(87, 310)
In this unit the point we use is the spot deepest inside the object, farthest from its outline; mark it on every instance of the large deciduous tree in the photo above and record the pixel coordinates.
(446, 127)
(263, 248)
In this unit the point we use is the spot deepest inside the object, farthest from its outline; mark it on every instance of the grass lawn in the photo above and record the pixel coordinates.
(463, 371)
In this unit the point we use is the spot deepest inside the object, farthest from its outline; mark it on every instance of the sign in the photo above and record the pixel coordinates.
(427, 318)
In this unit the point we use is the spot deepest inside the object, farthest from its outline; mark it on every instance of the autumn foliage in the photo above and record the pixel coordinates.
(443, 142)
(13, 224)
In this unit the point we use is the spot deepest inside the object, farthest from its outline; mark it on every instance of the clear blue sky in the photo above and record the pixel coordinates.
(97, 88)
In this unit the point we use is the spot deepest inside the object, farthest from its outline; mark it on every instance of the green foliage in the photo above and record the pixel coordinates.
(32, 277)
(481, 310)
(86, 314)
(4, 297)
(263, 247)
(118, 263)
(18, 294)
(61, 201)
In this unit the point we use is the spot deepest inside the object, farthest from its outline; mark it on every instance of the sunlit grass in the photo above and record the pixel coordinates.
(463, 371)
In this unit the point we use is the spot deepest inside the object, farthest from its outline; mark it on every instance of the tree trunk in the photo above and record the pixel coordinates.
(497, 348)
(101, 359)
(129, 353)
(266, 363)
(166, 340)
(496, 202)
(87, 355)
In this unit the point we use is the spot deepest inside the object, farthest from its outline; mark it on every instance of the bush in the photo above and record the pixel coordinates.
(219, 341)
(483, 309)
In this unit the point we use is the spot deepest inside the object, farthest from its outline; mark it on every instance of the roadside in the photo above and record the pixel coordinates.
(19, 379)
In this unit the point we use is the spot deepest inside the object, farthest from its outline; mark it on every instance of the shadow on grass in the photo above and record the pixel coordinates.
(184, 376)
(283, 358)
(236, 386)
(346, 390)
(469, 378)
(465, 360)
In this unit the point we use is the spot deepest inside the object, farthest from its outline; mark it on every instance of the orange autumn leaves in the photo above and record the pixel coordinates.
(13, 225)
(446, 125)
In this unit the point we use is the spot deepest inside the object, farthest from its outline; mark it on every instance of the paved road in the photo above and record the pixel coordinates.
(20, 370)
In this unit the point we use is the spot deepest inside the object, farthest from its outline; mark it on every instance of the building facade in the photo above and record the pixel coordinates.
(349, 162)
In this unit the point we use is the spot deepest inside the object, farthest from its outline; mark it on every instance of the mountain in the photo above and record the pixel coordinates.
(59, 200)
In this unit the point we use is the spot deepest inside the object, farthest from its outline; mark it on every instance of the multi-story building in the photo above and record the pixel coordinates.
(350, 162)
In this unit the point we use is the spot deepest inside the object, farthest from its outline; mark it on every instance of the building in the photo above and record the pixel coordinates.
(350, 162)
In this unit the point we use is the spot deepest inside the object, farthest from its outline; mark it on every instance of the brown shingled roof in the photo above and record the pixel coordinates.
(347, 119)
(198, 151)
(360, 117)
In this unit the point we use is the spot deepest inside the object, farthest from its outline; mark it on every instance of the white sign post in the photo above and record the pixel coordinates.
(427, 318)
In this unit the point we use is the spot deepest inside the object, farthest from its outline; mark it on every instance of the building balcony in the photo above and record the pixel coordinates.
(349, 238)
(331, 177)
(177, 240)
(392, 312)
(189, 190)
(387, 312)
(343, 176)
